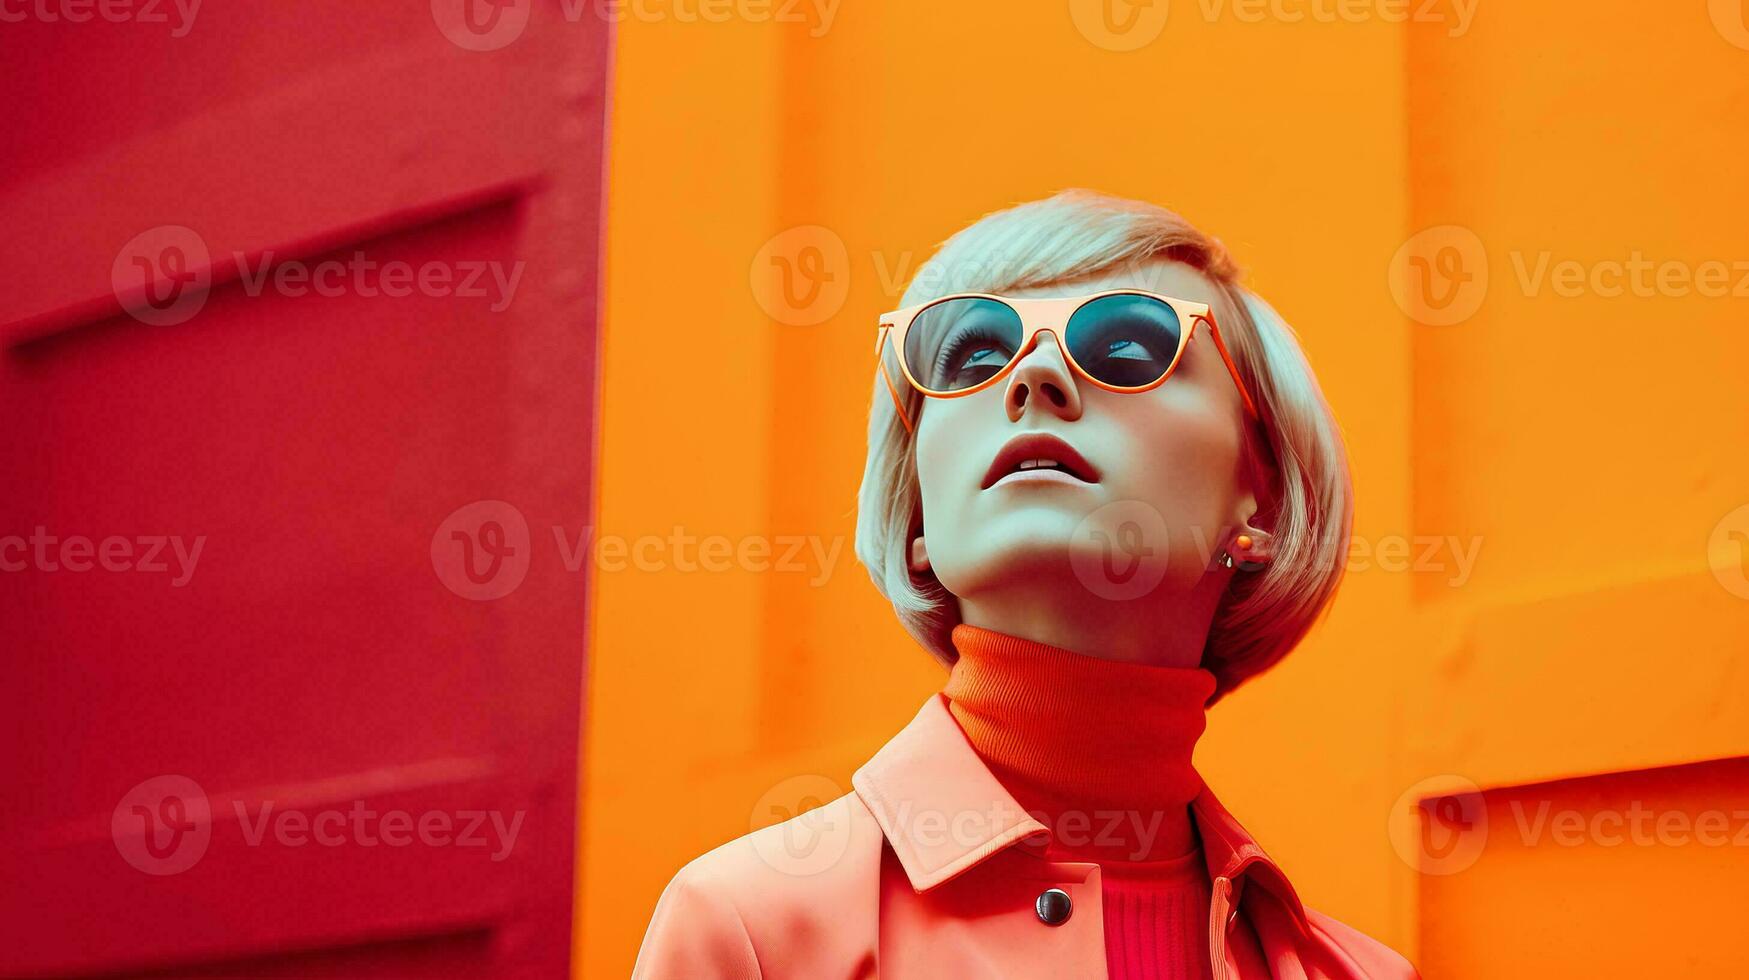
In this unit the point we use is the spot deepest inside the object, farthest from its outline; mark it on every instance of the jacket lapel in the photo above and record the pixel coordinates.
(944, 814)
(941, 809)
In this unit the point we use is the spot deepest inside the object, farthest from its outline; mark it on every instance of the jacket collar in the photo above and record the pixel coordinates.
(944, 812)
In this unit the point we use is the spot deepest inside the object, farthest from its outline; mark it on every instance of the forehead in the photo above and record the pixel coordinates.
(1159, 275)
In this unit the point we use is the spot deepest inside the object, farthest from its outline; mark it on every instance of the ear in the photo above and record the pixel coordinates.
(1255, 511)
(1252, 547)
(1249, 542)
(919, 555)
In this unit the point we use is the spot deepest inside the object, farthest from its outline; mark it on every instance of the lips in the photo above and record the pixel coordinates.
(1039, 450)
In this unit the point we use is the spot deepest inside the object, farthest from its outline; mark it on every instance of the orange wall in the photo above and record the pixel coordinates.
(717, 700)
(1634, 874)
(1594, 445)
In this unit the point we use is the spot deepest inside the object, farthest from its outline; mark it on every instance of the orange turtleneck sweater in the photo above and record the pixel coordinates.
(1100, 751)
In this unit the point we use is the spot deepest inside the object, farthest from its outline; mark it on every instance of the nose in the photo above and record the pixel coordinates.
(1042, 382)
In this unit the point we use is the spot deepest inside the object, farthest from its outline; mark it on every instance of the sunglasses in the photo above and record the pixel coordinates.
(1122, 340)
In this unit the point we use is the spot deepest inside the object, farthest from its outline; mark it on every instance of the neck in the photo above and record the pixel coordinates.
(1098, 749)
(1160, 634)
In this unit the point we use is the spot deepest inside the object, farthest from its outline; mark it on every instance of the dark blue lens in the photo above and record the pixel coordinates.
(1124, 340)
(961, 343)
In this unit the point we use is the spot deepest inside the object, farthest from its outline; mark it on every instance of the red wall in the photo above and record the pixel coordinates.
(206, 761)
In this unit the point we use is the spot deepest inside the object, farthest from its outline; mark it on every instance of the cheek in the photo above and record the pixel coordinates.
(1185, 455)
(934, 476)
(1181, 469)
(943, 432)
(1184, 458)
(929, 451)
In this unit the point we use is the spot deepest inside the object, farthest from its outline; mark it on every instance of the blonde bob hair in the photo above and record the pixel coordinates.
(1077, 234)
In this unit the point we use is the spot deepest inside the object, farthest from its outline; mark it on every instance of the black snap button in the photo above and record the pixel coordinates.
(1053, 906)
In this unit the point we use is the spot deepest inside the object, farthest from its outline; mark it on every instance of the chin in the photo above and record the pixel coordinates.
(1033, 531)
(1036, 554)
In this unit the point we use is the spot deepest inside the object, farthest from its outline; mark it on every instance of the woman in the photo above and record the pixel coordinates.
(1104, 490)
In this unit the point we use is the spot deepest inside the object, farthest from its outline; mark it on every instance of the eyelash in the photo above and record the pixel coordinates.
(950, 352)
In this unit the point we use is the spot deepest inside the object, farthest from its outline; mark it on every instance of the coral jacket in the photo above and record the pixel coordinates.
(913, 874)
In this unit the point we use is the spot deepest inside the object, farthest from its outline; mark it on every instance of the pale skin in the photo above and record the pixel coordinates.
(1006, 552)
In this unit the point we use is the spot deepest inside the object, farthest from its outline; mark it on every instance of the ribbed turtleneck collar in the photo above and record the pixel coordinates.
(1099, 749)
